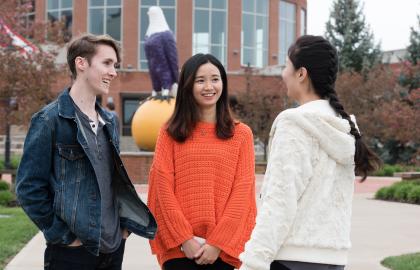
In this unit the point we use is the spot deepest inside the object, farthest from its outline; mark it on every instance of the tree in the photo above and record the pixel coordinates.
(260, 103)
(413, 49)
(410, 72)
(348, 32)
(27, 72)
(25, 76)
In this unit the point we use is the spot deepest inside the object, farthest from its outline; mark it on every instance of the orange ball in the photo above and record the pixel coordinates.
(148, 119)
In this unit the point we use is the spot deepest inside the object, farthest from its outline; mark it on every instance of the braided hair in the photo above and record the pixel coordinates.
(320, 59)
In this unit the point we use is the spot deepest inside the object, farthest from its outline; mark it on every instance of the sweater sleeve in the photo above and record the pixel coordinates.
(289, 169)
(232, 230)
(173, 227)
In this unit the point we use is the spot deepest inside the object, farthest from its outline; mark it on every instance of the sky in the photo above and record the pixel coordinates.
(389, 21)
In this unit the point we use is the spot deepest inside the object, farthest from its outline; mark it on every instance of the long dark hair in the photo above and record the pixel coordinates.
(320, 59)
(186, 113)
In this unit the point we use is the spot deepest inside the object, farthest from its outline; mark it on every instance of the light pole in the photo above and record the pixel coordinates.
(12, 105)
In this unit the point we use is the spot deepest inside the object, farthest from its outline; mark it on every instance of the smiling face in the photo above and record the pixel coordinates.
(208, 86)
(101, 70)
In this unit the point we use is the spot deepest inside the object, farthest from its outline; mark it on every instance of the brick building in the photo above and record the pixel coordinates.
(237, 32)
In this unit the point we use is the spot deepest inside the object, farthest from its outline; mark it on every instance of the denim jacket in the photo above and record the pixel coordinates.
(56, 184)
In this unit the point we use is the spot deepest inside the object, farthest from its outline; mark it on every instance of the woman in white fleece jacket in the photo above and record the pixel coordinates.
(303, 222)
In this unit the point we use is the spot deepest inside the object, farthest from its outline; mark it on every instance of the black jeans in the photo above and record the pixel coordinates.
(291, 265)
(58, 257)
(187, 264)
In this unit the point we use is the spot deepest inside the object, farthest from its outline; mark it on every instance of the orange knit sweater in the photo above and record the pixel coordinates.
(203, 187)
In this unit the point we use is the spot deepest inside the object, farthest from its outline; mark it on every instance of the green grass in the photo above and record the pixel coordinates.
(15, 232)
(403, 262)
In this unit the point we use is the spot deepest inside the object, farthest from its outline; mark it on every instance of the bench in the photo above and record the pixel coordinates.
(408, 175)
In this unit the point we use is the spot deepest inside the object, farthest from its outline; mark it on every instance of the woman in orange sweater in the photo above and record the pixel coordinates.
(202, 180)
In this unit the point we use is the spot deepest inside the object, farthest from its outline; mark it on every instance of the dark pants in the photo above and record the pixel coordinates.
(289, 265)
(69, 258)
(187, 264)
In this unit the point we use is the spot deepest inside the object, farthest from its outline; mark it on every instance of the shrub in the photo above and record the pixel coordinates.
(4, 185)
(389, 170)
(1, 165)
(6, 197)
(401, 191)
(413, 195)
(15, 161)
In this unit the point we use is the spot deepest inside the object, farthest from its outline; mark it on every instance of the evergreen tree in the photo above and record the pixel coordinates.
(413, 49)
(348, 32)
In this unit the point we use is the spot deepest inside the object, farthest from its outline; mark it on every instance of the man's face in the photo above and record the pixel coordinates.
(101, 71)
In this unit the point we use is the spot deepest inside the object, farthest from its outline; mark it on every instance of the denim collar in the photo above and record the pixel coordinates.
(66, 107)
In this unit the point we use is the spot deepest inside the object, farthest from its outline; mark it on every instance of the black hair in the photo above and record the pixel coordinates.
(320, 59)
(186, 113)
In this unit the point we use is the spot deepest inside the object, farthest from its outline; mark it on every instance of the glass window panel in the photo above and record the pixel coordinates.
(262, 6)
(283, 9)
(201, 39)
(113, 2)
(130, 107)
(96, 19)
(170, 3)
(95, 3)
(201, 49)
(144, 65)
(201, 21)
(291, 11)
(248, 5)
(248, 56)
(53, 16)
(170, 17)
(67, 18)
(66, 3)
(302, 22)
(52, 4)
(113, 23)
(218, 52)
(202, 3)
(261, 29)
(144, 22)
(221, 4)
(248, 30)
(218, 27)
(148, 2)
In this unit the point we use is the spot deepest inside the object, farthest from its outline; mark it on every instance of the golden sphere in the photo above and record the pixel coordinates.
(148, 119)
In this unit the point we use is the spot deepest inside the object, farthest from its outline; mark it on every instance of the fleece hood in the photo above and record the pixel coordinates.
(319, 120)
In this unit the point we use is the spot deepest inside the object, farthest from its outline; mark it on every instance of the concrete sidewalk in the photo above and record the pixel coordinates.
(379, 229)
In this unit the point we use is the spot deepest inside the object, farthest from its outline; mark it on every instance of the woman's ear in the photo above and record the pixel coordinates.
(302, 74)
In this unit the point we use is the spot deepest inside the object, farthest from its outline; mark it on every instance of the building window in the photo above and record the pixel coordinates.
(61, 11)
(254, 35)
(105, 18)
(130, 104)
(169, 10)
(27, 19)
(302, 22)
(287, 28)
(210, 28)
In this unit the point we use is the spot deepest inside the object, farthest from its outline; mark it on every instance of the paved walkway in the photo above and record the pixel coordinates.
(379, 229)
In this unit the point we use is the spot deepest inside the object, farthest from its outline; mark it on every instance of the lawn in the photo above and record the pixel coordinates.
(403, 262)
(15, 232)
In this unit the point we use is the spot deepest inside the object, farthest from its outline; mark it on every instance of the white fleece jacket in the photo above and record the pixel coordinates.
(306, 198)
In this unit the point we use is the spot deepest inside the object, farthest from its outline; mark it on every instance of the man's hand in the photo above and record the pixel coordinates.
(207, 254)
(75, 243)
(125, 233)
(190, 248)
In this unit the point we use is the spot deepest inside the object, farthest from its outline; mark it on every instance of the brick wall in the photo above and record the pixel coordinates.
(137, 165)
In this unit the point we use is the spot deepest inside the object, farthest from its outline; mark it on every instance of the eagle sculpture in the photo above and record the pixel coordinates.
(161, 54)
